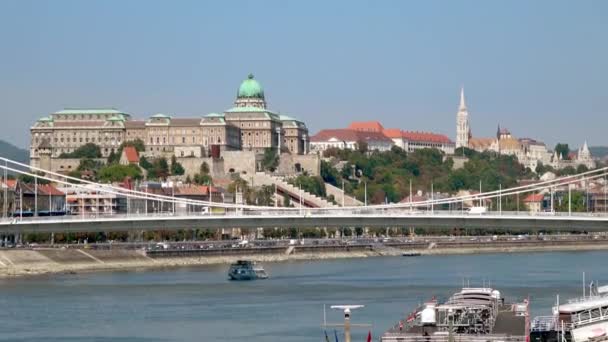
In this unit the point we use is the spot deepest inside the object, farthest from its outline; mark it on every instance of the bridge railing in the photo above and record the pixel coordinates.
(296, 212)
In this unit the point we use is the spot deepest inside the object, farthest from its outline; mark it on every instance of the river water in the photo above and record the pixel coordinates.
(199, 304)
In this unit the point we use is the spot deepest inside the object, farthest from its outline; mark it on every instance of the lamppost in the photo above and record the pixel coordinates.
(500, 199)
(343, 193)
(35, 196)
(569, 199)
(432, 199)
(278, 130)
(410, 194)
(365, 183)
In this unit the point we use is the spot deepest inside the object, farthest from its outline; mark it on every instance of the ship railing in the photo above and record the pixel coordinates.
(543, 323)
(591, 316)
(401, 337)
(585, 299)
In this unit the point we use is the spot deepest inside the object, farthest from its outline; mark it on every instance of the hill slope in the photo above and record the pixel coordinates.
(599, 151)
(10, 151)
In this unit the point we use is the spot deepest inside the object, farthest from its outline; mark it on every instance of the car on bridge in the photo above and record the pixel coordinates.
(477, 210)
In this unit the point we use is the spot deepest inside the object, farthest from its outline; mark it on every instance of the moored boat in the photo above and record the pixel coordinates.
(583, 319)
(246, 270)
(473, 314)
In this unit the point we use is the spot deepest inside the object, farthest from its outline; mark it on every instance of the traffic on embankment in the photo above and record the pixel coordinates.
(35, 259)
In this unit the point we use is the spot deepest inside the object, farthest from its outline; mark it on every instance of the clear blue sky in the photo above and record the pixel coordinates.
(539, 68)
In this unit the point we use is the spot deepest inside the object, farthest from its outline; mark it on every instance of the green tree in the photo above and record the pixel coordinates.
(89, 164)
(202, 179)
(263, 196)
(329, 173)
(157, 169)
(567, 171)
(144, 163)
(270, 161)
(239, 184)
(113, 158)
(314, 185)
(176, 168)
(204, 169)
(117, 172)
(541, 169)
(578, 202)
(203, 176)
(30, 179)
(137, 143)
(88, 150)
(75, 174)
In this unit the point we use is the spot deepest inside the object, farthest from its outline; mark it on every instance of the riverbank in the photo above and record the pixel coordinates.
(26, 262)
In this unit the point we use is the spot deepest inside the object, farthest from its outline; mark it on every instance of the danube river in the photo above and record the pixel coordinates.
(199, 304)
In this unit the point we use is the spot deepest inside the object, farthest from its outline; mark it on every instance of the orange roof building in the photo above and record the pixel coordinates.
(129, 156)
(366, 126)
(414, 140)
(349, 139)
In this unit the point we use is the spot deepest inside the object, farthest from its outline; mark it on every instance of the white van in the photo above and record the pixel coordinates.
(477, 210)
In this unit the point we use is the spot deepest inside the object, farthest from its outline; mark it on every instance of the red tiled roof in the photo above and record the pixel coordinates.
(131, 154)
(426, 136)
(340, 134)
(11, 183)
(47, 189)
(348, 135)
(534, 198)
(416, 136)
(211, 189)
(190, 191)
(393, 133)
(366, 126)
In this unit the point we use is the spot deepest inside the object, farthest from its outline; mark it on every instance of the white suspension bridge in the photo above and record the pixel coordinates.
(200, 214)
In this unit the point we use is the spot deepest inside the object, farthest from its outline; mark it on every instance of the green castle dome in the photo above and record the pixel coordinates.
(250, 88)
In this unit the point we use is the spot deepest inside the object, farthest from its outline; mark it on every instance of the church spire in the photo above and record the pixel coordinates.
(463, 106)
(463, 130)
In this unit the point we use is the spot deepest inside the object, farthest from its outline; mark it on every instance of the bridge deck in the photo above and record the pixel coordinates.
(437, 220)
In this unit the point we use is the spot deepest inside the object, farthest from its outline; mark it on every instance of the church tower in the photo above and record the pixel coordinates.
(463, 131)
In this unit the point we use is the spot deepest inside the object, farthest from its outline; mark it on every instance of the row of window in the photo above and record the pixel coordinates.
(82, 116)
(112, 140)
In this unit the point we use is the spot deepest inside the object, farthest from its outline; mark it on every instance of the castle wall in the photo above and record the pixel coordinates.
(288, 164)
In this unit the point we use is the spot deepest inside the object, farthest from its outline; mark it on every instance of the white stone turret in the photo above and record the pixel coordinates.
(463, 130)
(584, 157)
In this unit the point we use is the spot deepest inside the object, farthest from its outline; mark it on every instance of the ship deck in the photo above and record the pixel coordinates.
(509, 326)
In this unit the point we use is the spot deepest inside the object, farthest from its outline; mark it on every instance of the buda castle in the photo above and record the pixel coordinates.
(248, 126)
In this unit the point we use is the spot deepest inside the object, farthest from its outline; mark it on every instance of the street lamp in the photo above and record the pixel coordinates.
(343, 193)
(365, 193)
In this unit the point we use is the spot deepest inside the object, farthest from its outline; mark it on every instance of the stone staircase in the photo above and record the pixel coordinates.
(309, 200)
(349, 201)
